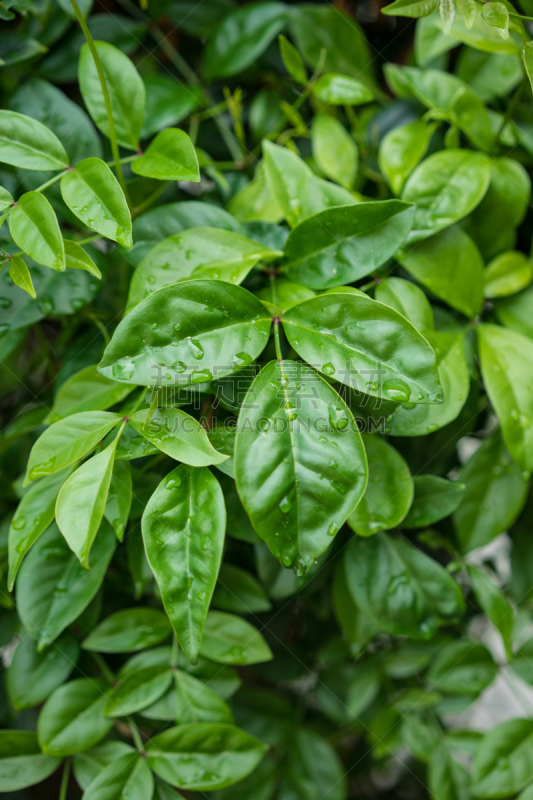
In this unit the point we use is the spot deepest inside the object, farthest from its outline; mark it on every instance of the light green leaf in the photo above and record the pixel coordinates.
(447, 14)
(299, 462)
(508, 273)
(81, 502)
(93, 194)
(167, 102)
(169, 157)
(446, 187)
(126, 92)
(342, 90)
(20, 275)
(365, 345)
(21, 761)
(410, 8)
(86, 390)
(497, 15)
(203, 757)
(72, 719)
(67, 441)
(183, 529)
(130, 629)
(506, 362)
(468, 10)
(5, 199)
(34, 227)
(401, 149)
(408, 300)
(342, 244)
(334, 150)
(77, 258)
(27, 143)
(389, 493)
(119, 498)
(293, 61)
(187, 333)
(178, 435)
(229, 639)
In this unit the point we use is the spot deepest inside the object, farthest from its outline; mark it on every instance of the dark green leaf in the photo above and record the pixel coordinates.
(21, 761)
(435, 498)
(131, 629)
(72, 719)
(228, 639)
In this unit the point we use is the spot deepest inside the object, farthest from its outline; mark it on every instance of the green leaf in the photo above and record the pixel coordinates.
(508, 273)
(435, 499)
(33, 675)
(497, 15)
(493, 603)
(93, 194)
(365, 345)
(72, 719)
(446, 187)
(468, 10)
(203, 757)
(298, 192)
(447, 14)
(86, 390)
(242, 37)
(410, 8)
(228, 639)
(125, 778)
(204, 253)
(167, 102)
(21, 761)
(462, 667)
(342, 244)
(517, 312)
(299, 462)
(401, 149)
(408, 300)
(81, 502)
(334, 150)
(67, 441)
(506, 361)
(169, 157)
(5, 199)
(126, 92)
(77, 258)
(293, 61)
(119, 498)
(527, 57)
(196, 702)
(399, 588)
(138, 690)
(240, 592)
(389, 493)
(34, 227)
(503, 763)
(447, 778)
(183, 529)
(26, 143)
(454, 378)
(187, 333)
(459, 281)
(87, 766)
(342, 90)
(130, 629)
(20, 275)
(34, 514)
(495, 492)
(53, 587)
(178, 435)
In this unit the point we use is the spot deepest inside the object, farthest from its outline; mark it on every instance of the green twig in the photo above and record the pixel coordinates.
(63, 789)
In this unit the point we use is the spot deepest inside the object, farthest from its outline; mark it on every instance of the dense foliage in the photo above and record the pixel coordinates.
(266, 382)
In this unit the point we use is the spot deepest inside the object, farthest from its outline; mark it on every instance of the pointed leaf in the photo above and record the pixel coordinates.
(130, 629)
(169, 157)
(34, 227)
(27, 143)
(72, 719)
(21, 761)
(20, 275)
(138, 690)
(125, 778)
(229, 639)
(178, 435)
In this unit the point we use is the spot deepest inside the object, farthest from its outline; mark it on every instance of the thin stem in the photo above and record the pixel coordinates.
(104, 669)
(53, 180)
(174, 657)
(277, 340)
(107, 100)
(510, 109)
(63, 789)
(136, 735)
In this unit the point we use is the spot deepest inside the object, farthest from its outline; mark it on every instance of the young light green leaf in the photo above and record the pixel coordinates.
(81, 502)
(334, 150)
(497, 15)
(21, 761)
(127, 776)
(389, 493)
(365, 345)
(187, 333)
(169, 157)
(20, 275)
(54, 589)
(342, 90)
(6, 199)
(67, 441)
(197, 253)
(138, 690)
(34, 514)
(291, 418)
(93, 194)
(183, 529)
(126, 92)
(435, 498)
(34, 227)
(33, 675)
(77, 258)
(506, 359)
(28, 144)
(401, 149)
(72, 719)
(508, 273)
(446, 187)
(410, 8)
(130, 629)
(86, 390)
(468, 10)
(292, 60)
(408, 300)
(178, 435)
(447, 14)
(340, 245)
(119, 498)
